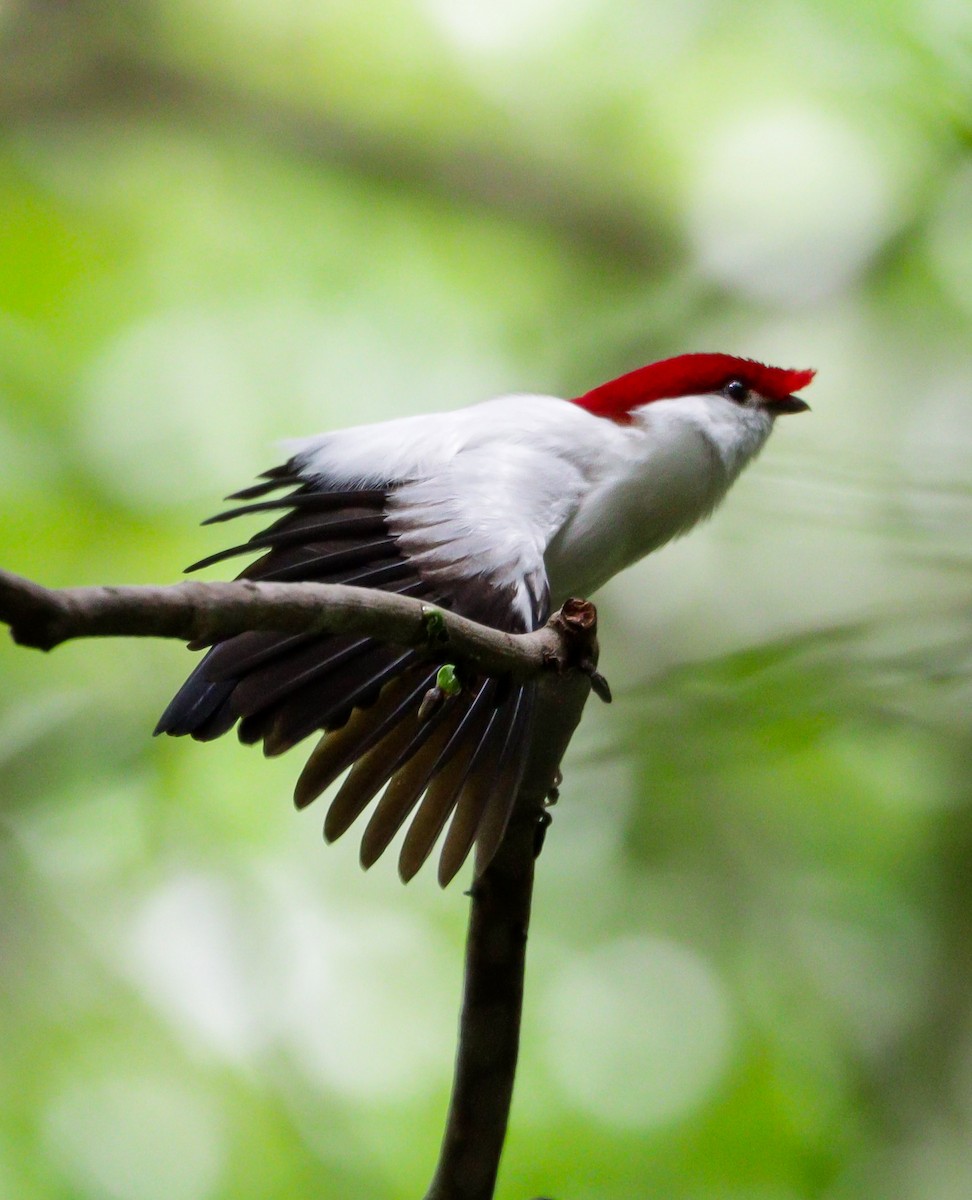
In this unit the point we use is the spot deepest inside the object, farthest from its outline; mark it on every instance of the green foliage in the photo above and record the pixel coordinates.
(447, 681)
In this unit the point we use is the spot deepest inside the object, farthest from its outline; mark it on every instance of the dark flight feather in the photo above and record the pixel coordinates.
(465, 759)
(476, 791)
(314, 530)
(273, 481)
(446, 783)
(306, 497)
(407, 785)
(337, 750)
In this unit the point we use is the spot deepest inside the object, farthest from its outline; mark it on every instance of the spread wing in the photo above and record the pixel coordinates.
(466, 758)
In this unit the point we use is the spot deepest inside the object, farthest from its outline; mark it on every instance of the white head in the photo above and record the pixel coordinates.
(731, 401)
(692, 423)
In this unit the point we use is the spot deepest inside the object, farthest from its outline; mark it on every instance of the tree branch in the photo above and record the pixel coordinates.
(489, 1025)
(202, 613)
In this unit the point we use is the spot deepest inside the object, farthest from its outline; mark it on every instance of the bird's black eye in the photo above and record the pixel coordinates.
(736, 390)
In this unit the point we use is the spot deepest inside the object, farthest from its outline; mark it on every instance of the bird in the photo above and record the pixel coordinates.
(499, 511)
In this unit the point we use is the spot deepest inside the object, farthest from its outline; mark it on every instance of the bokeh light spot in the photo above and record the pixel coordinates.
(502, 24)
(131, 1137)
(639, 1031)
(787, 205)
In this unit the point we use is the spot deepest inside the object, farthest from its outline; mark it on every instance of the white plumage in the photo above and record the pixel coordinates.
(523, 490)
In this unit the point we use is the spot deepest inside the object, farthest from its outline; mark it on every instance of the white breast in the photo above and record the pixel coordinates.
(679, 459)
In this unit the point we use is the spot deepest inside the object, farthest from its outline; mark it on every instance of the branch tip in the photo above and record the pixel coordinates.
(31, 610)
(599, 685)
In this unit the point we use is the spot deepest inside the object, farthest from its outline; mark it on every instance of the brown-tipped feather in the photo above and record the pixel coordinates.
(473, 798)
(509, 775)
(440, 797)
(371, 772)
(404, 789)
(336, 751)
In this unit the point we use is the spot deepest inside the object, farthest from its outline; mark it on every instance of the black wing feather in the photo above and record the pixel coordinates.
(305, 497)
(466, 759)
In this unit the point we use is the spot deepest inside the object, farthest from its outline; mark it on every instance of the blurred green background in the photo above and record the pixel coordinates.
(227, 223)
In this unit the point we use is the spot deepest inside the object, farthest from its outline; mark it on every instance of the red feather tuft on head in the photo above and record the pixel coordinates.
(688, 375)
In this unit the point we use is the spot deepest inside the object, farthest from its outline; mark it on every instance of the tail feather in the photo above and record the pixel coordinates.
(297, 566)
(195, 707)
(234, 659)
(306, 498)
(273, 480)
(285, 674)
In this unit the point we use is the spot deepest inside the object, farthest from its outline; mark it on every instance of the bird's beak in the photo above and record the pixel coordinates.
(788, 404)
